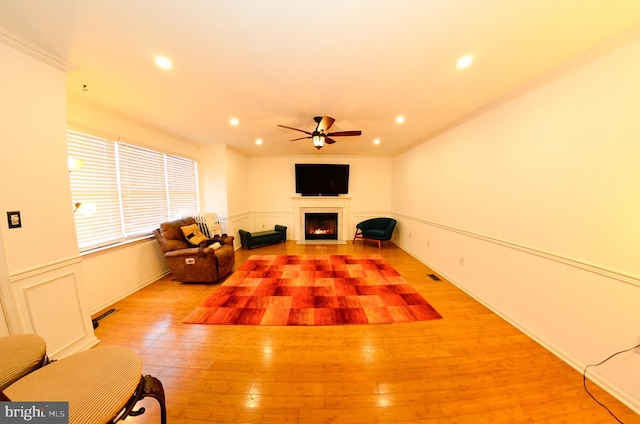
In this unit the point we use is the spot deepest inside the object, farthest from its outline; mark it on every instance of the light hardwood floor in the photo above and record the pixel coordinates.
(469, 367)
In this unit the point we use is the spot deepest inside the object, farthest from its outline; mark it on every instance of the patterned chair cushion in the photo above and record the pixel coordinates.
(20, 354)
(193, 234)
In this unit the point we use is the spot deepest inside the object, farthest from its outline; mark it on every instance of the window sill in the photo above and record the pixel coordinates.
(126, 243)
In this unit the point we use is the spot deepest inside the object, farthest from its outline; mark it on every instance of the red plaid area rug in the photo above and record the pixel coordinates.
(313, 290)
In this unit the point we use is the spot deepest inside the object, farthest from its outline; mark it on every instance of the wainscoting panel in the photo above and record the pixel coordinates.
(238, 222)
(51, 304)
(581, 312)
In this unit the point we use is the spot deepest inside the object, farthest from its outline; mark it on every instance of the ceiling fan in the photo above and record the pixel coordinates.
(320, 136)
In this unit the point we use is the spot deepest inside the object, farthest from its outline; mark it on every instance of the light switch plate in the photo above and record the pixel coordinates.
(14, 220)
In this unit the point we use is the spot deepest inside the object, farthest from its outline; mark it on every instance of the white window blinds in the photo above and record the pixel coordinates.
(96, 183)
(145, 202)
(182, 185)
(134, 189)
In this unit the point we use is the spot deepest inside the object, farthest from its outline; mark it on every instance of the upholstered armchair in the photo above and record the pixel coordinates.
(375, 229)
(204, 262)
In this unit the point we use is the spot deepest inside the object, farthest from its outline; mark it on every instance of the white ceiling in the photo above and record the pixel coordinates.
(362, 62)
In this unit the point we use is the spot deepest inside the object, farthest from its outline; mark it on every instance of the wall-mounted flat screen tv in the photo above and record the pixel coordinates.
(314, 179)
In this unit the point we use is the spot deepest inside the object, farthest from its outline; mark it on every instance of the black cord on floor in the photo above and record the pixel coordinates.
(584, 380)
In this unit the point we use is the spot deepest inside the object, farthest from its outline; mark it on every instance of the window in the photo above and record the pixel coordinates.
(132, 188)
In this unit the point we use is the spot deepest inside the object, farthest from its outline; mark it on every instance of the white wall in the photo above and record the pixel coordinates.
(272, 186)
(237, 179)
(540, 198)
(224, 176)
(114, 273)
(7, 302)
(86, 116)
(42, 285)
(212, 168)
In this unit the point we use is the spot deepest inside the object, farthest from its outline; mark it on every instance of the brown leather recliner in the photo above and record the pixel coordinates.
(194, 264)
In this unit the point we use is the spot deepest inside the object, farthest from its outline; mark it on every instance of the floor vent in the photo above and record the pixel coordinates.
(434, 277)
(97, 319)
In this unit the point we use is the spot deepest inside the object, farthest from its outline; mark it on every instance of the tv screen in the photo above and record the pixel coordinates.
(322, 179)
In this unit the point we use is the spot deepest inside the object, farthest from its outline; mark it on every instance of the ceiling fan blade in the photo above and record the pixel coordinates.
(295, 129)
(329, 140)
(325, 123)
(344, 133)
(301, 138)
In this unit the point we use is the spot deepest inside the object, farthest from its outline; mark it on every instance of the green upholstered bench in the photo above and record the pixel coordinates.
(262, 238)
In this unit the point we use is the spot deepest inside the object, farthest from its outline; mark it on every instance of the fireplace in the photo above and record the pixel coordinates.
(303, 205)
(320, 226)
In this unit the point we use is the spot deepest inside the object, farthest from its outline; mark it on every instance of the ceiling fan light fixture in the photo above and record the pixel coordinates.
(318, 141)
(321, 135)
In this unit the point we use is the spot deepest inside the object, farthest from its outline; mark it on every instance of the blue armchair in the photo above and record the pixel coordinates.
(375, 229)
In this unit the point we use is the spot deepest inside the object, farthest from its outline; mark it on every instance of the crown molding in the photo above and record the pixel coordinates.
(19, 43)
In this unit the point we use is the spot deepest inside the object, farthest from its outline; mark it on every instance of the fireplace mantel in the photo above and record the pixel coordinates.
(304, 204)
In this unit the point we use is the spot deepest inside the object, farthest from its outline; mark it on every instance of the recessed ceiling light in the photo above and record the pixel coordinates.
(259, 141)
(163, 62)
(234, 121)
(464, 61)
(376, 141)
(400, 120)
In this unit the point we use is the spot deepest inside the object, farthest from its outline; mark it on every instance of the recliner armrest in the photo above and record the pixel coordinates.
(192, 251)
